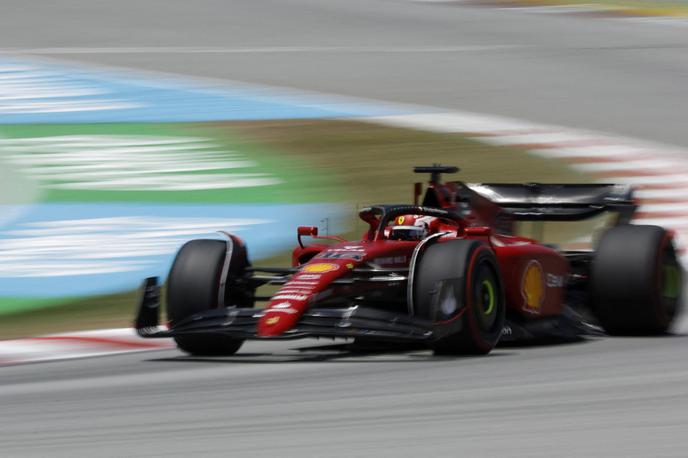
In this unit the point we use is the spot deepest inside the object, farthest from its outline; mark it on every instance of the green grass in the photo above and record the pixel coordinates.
(21, 304)
(292, 187)
(352, 162)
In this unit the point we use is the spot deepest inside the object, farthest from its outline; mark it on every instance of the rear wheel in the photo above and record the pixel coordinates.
(636, 281)
(458, 286)
(195, 284)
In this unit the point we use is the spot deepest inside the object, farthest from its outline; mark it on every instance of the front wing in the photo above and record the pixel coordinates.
(241, 323)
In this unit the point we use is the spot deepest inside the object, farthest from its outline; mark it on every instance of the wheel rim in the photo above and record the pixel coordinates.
(485, 300)
(671, 281)
(488, 297)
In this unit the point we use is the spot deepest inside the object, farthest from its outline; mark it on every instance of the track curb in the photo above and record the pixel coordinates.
(82, 344)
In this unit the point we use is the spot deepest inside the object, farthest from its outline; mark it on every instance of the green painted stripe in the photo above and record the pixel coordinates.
(9, 305)
(144, 168)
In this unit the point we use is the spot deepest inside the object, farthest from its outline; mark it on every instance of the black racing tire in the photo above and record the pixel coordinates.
(457, 285)
(194, 285)
(636, 281)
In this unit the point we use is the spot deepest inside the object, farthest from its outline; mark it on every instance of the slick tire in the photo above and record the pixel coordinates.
(458, 286)
(636, 281)
(194, 285)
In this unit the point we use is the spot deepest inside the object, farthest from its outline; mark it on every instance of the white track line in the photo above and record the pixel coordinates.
(258, 49)
(660, 164)
(611, 152)
(678, 193)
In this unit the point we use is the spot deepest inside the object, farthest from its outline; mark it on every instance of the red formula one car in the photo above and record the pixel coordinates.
(447, 272)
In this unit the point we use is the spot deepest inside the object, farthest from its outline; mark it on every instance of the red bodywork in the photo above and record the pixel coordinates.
(533, 274)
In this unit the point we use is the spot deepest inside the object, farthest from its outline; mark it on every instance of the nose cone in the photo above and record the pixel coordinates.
(302, 290)
(277, 322)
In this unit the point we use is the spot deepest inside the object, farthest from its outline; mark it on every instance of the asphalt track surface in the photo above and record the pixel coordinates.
(618, 397)
(621, 76)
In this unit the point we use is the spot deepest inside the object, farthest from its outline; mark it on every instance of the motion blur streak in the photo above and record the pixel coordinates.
(616, 397)
(613, 75)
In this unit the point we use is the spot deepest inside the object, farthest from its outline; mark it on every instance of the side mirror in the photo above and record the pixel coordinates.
(307, 230)
(303, 231)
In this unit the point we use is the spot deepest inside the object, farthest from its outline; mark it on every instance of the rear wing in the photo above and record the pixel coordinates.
(550, 202)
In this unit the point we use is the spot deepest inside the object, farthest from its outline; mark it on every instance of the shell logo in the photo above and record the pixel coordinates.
(320, 268)
(533, 287)
(272, 320)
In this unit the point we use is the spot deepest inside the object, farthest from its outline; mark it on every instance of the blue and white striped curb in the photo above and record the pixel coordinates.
(37, 91)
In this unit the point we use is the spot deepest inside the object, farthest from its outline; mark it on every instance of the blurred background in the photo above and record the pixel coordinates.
(129, 127)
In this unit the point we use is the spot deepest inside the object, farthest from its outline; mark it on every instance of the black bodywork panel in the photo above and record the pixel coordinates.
(553, 202)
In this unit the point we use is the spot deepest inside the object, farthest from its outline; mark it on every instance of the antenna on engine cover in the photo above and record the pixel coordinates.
(435, 171)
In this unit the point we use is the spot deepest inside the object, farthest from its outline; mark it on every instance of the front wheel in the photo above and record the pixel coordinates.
(195, 284)
(458, 286)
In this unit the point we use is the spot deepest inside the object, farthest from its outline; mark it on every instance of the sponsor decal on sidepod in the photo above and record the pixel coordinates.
(320, 268)
(533, 287)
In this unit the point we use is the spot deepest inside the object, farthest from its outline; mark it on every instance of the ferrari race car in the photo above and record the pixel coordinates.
(448, 272)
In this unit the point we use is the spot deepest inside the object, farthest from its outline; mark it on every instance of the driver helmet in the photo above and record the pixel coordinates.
(412, 227)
